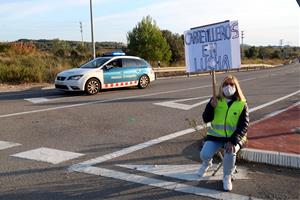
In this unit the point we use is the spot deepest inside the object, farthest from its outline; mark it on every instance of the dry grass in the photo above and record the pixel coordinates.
(263, 61)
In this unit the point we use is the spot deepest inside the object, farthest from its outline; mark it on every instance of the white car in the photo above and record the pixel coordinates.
(110, 71)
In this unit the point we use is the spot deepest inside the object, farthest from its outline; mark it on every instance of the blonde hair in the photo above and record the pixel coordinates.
(238, 94)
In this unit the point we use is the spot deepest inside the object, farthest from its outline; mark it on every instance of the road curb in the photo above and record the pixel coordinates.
(271, 157)
(277, 158)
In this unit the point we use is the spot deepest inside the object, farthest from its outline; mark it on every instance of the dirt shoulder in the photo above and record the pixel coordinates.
(21, 87)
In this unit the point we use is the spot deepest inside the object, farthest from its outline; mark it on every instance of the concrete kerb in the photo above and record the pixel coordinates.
(270, 157)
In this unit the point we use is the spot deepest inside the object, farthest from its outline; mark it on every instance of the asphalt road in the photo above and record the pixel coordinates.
(114, 120)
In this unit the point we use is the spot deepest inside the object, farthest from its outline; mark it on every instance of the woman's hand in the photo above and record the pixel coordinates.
(213, 102)
(229, 147)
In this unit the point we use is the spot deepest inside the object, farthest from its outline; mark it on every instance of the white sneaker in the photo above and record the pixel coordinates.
(227, 185)
(203, 169)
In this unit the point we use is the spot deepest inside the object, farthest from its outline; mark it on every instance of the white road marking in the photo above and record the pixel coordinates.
(131, 149)
(48, 155)
(100, 101)
(250, 79)
(48, 98)
(272, 157)
(185, 172)
(281, 111)
(181, 106)
(86, 166)
(274, 101)
(6, 145)
(168, 185)
(37, 100)
(274, 113)
(158, 140)
(109, 100)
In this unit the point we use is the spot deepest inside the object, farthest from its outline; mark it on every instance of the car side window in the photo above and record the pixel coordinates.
(129, 62)
(141, 63)
(114, 64)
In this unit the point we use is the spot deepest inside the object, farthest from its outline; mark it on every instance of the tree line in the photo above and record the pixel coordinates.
(148, 41)
(40, 60)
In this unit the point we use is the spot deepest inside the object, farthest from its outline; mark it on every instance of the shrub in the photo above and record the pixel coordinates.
(21, 48)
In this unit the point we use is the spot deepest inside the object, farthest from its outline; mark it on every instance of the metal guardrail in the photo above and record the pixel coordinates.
(181, 71)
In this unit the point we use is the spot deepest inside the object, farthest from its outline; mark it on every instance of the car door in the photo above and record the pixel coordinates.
(130, 70)
(113, 73)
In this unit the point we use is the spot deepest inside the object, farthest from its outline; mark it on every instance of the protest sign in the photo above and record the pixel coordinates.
(212, 47)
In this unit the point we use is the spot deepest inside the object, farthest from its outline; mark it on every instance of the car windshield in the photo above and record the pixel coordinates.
(95, 63)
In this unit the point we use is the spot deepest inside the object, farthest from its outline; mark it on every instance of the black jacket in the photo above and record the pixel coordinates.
(239, 133)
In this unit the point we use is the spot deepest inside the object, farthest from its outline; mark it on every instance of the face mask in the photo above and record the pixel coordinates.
(229, 90)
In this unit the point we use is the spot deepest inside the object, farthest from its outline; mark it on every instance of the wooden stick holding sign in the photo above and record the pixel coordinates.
(214, 84)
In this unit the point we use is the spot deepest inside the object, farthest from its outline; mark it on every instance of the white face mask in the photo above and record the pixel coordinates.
(229, 90)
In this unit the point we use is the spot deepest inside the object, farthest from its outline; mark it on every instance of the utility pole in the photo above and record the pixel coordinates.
(242, 33)
(281, 42)
(92, 31)
(281, 47)
(81, 33)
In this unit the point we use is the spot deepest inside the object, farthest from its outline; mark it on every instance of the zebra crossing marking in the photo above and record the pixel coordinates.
(187, 172)
(48, 155)
(6, 145)
(37, 100)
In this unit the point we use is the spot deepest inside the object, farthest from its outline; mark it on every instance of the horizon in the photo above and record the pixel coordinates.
(263, 22)
(250, 45)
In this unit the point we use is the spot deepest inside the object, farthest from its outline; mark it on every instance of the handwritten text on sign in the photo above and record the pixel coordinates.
(213, 47)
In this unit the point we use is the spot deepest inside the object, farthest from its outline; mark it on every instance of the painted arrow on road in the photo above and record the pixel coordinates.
(175, 103)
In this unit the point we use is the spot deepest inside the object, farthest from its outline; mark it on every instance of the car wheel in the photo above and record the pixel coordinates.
(144, 81)
(92, 86)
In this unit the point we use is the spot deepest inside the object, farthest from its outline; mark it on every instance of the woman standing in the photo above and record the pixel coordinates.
(229, 117)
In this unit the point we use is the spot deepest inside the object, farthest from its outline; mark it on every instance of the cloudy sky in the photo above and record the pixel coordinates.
(264, 22)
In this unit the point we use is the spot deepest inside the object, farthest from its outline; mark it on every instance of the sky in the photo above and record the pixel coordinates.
(264, 22)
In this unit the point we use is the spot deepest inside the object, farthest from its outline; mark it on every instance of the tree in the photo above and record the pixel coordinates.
(176, 43)
(252, 52)
(275, 54)
(147, 41)
(262, 53)
(60, 48)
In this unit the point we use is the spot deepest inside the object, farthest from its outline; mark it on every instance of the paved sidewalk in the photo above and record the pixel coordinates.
(275, 139)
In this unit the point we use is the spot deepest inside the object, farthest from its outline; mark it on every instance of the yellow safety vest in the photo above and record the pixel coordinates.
(225, 119)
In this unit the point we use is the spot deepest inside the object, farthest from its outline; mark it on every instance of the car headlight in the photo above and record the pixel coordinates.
(76, 77)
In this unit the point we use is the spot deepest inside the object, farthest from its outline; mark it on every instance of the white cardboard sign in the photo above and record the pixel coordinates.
(213, 47)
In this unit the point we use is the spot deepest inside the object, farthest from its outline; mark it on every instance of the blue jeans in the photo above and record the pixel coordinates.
(210, 148)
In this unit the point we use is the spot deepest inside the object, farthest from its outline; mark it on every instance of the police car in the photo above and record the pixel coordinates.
(113, 70)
